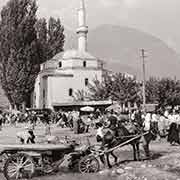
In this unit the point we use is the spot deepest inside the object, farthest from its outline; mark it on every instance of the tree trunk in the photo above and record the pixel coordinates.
(23, 106)
(129, 106)
(15, 107)
(10, 106)
(124, 107)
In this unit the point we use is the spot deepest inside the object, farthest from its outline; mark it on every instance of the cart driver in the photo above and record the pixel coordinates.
(113, 121)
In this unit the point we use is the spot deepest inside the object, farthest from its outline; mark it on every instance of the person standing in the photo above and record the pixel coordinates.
(47, 124)
(138, 118)
(88, 123)
(147, 122)
(162, 127)
(173, 135)
(1, 120)
(113, 122)
(76, 117)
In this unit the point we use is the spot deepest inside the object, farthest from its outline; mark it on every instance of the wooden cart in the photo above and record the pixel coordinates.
(21, 161)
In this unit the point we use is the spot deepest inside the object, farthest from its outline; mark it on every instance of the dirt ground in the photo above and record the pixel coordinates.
(165, 163)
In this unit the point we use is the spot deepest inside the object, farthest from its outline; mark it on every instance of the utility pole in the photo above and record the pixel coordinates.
(144, 79)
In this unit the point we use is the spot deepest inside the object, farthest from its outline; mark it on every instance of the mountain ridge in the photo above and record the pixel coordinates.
(120, 47)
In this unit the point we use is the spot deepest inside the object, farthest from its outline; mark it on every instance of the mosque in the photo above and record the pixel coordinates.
(67, 72)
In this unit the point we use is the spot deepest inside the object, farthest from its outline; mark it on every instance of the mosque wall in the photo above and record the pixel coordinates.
(60, 78)
(81, 75)
(66, 63)
(73, 63)
(80, 63)
(59, 89)
(56, 89)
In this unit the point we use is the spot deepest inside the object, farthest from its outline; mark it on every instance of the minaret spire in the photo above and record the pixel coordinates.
(82, 4)
(82, 28)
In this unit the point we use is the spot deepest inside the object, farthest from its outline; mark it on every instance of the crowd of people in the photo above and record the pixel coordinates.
(12, 118)
(168, 121)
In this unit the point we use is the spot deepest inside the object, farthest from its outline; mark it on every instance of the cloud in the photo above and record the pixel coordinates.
(131, 3)
(114, 3)
(110, 3)
(157, 17)
(2, 3)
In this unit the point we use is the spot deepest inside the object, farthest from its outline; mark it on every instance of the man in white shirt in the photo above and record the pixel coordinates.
(147, 122)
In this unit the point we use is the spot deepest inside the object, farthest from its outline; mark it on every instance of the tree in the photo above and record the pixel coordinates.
(23, 46)
(101, 90)
(117, 87)
(50, 36)
(152, 90)
(163, 91)
(168, 92)
(18, 49)
(81, 95)
(125, 89)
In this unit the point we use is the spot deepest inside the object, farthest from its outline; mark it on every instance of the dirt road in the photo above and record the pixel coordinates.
(165, 164)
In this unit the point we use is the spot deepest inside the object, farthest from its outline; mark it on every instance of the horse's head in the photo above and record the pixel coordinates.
(108, 135)
(125, 129)
(131, 128)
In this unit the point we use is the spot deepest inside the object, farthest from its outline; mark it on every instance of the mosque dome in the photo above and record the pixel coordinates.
(74, 54)
(58, 56)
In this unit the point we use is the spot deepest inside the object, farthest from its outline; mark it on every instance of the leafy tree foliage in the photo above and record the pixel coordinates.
(117, 87)
(163, 91)
(50, 36)
(18, 49)
(101, 90)
(152, 90)
(23, 46)
(123, 89)
(81, 95)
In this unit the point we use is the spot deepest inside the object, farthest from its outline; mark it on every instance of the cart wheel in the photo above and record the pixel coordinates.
(89, 164)
(19, 166)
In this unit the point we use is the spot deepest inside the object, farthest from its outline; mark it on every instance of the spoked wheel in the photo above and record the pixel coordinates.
(19, 166)
(89, 164)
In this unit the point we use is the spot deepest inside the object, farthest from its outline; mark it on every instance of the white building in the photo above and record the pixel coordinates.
(67, 72)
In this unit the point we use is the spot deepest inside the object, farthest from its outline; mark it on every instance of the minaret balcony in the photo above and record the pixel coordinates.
(82, 29)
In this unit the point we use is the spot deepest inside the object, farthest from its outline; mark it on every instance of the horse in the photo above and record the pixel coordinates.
(124, 133)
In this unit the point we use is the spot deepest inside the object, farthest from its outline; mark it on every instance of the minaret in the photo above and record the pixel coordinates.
(82, 28)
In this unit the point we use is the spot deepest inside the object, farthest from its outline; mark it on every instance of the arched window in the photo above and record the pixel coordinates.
(86, 81)
(84, 64)
(60, 64)
(70, 92)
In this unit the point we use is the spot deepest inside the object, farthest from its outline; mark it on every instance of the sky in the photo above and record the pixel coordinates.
(156, 17)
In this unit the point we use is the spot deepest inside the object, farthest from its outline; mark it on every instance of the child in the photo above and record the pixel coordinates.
(26, 136)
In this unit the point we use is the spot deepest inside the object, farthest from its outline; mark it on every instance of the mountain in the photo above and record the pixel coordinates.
(120, 49)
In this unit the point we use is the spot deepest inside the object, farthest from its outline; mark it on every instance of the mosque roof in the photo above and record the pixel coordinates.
(74, 54)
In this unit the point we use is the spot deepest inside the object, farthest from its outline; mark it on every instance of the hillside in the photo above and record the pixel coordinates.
(120, 48)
